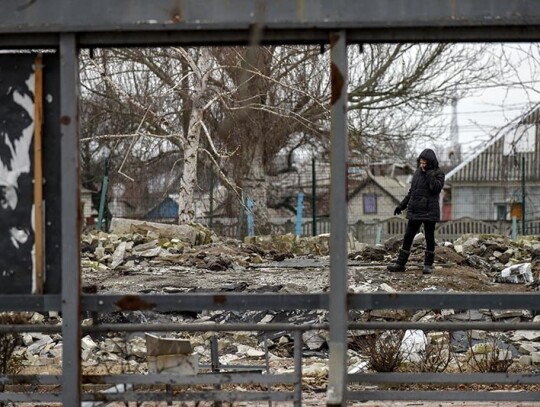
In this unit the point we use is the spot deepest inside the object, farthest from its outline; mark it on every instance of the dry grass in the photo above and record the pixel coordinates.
(9, 341)
(382, 349)
(489, 356)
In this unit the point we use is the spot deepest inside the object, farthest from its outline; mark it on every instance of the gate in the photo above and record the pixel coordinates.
(103, 23)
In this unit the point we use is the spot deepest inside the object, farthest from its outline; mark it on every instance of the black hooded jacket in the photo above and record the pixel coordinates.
(422, 201)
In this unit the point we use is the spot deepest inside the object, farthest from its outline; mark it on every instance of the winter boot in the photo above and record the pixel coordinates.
(429, 257)
(399, 264)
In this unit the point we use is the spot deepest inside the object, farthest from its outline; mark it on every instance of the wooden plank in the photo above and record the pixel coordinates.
(38, 176)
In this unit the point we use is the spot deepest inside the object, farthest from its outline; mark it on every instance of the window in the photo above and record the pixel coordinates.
(501, 212)
(370, 204)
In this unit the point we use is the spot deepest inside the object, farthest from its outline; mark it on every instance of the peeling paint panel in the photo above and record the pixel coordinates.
(17, 239)
(16, 175)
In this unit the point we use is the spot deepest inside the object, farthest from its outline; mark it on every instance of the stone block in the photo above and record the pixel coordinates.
(183, 365)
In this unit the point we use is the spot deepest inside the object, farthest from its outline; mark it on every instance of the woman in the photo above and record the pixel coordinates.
(422, 204)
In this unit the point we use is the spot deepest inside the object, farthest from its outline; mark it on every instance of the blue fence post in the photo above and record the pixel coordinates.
(523, 194)
(250, 224)
(378, 233)
(299, 208)
(514, 228)
(313, 198)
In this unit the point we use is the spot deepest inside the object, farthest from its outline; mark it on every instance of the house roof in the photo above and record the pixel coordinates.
(499, 161)
(460, 167)
(392, 186)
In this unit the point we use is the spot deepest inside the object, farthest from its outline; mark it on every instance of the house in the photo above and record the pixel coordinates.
(502, 180)
(166, 211)
(89, 212)
(381, 190)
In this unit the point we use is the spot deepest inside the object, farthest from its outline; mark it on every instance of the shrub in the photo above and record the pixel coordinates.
(382, 348)
(9, 341)
(490, 355)
(436, 357)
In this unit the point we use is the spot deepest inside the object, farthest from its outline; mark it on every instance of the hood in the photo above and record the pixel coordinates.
(429, 155)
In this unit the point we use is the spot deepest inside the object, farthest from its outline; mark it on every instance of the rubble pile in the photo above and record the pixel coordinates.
(141, 244)
(139, 257)
(129, 352)
(491, 254)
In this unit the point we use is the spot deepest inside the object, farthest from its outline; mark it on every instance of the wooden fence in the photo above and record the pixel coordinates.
(376, 232)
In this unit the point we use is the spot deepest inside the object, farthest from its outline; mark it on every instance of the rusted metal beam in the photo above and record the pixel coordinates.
(70, 247)
(256, 301)
(138, 22)
(337, 311)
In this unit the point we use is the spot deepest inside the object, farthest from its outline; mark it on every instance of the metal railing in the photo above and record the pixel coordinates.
(370, 232)
(244, 302)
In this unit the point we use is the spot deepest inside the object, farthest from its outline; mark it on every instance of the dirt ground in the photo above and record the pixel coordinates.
(187, 273)
(179, 278)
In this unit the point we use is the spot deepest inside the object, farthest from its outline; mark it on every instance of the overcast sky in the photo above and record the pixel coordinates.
(480, 115)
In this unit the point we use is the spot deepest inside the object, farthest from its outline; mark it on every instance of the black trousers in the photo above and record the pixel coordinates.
(413, 226)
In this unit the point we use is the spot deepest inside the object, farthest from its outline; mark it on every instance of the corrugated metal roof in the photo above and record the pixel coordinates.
(494, 163)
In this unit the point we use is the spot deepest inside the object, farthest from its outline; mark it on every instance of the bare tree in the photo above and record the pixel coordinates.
(270, 99)
(255, 104)
(397, 92)
(161, 105)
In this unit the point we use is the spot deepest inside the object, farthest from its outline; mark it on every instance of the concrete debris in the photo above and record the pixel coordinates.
(167, 346)
(142, 257)
(413, 345)
(517, 274)
(118, 255)
(193, 234)
(182, 365)
(314, 340)
(119, 388)
(136, 245)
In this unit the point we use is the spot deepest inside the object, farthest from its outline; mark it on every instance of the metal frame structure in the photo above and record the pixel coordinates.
(68, 25)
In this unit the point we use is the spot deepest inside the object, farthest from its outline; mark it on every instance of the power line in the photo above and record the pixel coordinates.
(502, 110)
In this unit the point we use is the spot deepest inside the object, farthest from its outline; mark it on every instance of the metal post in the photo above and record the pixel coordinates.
(314, 197)
(214, 354)
(299, 216)
(297, 368)
(267, 365)
(211, 210)
(338, 224)
(240, 232)
(103, 197)
(250, 218)
(523, 228)
(214, 360)
(71, 276)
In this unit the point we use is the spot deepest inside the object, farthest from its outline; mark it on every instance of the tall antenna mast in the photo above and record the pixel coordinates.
(455, 155)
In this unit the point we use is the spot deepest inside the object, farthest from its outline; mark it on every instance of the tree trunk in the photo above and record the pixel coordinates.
(186, 210)
(254, 185)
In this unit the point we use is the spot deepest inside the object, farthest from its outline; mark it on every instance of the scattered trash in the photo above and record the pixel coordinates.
(413, 345)
(516, 274)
